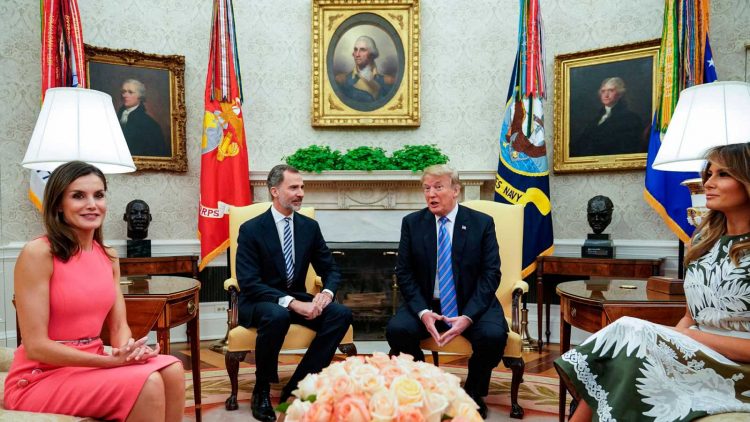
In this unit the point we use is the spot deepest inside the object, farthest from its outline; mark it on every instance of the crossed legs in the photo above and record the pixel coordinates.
(162, 397)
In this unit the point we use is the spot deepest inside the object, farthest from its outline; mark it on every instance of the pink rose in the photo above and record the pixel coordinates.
(341, 386)
(383, 406)
(409, 414)
(391, 372)
(379, 360)
(318, 412)
(351, 408)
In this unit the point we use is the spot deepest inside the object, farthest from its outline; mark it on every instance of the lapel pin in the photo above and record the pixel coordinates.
(463, 227)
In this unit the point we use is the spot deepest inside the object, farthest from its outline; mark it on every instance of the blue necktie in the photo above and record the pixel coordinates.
(448, 305)
(288, 253)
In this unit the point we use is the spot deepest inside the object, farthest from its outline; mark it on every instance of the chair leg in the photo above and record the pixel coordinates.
(435, 358)
(348, 349)
(232, 361)
(516, 365)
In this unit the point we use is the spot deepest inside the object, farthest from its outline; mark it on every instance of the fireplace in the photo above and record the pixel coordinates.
(368, 285)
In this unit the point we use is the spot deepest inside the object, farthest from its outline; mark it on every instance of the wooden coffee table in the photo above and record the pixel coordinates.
(163, 302)
(593, 304)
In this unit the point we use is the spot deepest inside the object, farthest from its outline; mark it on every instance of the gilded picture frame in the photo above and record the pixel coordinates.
(148, 93)
(386, 91)
(603, 106)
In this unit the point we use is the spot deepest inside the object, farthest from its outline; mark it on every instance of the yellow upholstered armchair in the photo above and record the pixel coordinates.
(509, 230)
(241, 340)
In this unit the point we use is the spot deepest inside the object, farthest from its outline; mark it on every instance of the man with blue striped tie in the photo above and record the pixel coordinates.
(448, 270)
(274, 252)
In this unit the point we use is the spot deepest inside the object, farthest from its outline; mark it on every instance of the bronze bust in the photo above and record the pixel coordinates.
(138, 216)
(599, 213)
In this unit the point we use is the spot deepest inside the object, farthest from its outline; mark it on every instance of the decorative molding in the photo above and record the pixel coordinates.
(370, 190)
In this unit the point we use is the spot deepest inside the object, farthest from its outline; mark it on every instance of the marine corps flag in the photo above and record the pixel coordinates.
(62, 64)
(225, 177)
(684, 60)
(523, 173)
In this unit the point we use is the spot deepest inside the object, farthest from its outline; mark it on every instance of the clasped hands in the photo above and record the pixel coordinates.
(457, 326)
(135, 351)
(311, 310)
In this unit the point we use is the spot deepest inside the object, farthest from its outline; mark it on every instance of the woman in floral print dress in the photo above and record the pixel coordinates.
(634, 370)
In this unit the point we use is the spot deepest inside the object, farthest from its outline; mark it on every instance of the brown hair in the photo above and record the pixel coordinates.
(62, 239)
(736, 159)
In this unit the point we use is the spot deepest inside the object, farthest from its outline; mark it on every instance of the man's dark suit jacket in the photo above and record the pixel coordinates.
(622, 132)
(476, 262)
(261, 270)
(143, 134)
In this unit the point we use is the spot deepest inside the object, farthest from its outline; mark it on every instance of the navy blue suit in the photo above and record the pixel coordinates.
(476, 272)
(261, 274)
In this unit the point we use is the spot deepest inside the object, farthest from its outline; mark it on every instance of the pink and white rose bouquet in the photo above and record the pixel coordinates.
(381, 389)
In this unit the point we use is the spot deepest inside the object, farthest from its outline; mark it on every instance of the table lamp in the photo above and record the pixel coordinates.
(78, 124)
(706, 116)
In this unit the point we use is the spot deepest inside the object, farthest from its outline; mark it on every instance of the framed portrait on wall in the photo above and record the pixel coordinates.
(604, 103)
(149, 98)
(365, 63)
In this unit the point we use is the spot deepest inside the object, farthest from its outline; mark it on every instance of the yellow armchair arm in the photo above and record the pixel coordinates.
(520, 284)
(231, 282)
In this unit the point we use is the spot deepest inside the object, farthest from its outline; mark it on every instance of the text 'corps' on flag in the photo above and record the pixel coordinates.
(522, 171)
(225, 178)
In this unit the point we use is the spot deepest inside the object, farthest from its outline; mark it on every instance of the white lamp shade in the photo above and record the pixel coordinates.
(78, 124)
(706, 116)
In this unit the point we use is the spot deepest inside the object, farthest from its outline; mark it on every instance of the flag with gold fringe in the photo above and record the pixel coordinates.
(63, 64)
(225, 177)
(685, 60)
(522, 171)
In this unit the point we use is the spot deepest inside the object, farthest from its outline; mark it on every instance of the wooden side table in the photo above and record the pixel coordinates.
(163, 302)
(156, 265)
(592, 306)
(586, 267)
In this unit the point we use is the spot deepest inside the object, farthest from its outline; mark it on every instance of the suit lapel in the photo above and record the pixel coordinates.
(460, 229)
(301, 240)
(273, 244)
(429, 241)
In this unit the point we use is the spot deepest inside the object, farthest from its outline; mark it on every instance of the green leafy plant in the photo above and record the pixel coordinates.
(418, 157)
(366, 158)
(314, 158)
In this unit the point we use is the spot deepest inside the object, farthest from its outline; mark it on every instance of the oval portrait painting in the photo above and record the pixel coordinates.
(365, 62)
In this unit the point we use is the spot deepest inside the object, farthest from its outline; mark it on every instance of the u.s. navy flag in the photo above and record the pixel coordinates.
(522, 171)
(62, 64)
(685, 60)
(225, 178)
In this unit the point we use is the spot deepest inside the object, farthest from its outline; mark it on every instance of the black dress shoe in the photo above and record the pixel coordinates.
(261, 406)
(482, 405)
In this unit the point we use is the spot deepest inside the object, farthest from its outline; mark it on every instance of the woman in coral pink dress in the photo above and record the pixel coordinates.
(66, 289)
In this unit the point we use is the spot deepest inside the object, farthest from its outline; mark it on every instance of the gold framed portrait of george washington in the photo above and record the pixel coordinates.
(604, 103)
(365, 63)
(148, 93)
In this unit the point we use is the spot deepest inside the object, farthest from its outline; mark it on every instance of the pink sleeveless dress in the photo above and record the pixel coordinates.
(81, 294)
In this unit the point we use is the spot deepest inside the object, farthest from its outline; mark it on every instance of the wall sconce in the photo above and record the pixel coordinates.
(78, 124)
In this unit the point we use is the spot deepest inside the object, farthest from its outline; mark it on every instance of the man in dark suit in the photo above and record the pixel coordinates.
(448, 271)
(273, 254)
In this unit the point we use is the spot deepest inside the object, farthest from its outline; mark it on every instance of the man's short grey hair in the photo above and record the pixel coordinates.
(618, 83)
(439, 170)
(276, 175)
(139, 87)
(371, 47)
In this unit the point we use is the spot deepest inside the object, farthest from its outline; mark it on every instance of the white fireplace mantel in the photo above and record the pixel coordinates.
(373, 190)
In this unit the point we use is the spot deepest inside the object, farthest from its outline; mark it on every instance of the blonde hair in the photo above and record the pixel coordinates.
(439, 170)
(736, 159)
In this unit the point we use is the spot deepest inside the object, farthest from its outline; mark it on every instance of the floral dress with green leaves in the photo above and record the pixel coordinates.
(634, 370)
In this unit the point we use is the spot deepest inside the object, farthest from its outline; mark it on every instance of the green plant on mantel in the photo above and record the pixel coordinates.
(314, 158)
(418, 157)
(317, 158)
(366, 158)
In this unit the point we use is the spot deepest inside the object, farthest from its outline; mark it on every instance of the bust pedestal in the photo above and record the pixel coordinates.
(140, 248)
(598, 246)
